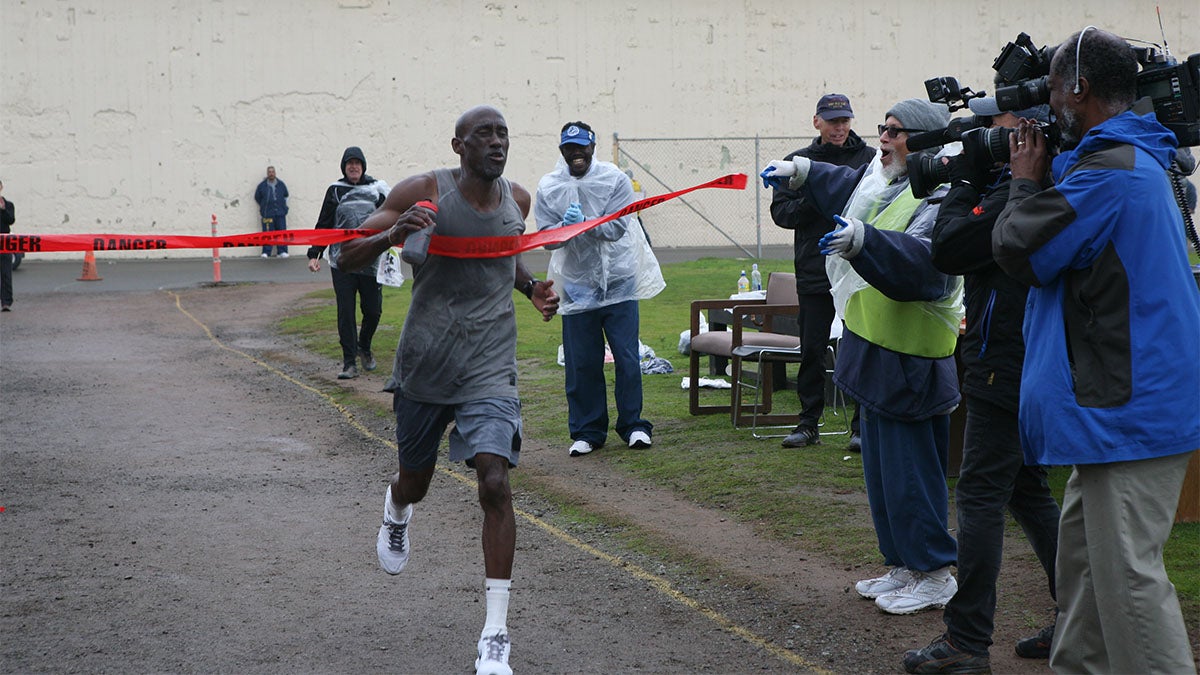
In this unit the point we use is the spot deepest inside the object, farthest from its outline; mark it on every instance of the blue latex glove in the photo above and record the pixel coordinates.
(574, 214)
(846, 240)
(778, 173)
(786, 173)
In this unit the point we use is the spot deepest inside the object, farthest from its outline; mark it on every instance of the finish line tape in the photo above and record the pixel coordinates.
(451, 247)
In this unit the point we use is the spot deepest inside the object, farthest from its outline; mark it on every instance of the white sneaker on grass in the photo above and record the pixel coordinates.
(391, 544)
(639, 439)
(894, 580)
(925, 591)
(580, 448)
(493, 654)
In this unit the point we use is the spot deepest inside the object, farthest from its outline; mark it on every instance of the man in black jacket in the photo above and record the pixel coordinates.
(836, 144)
(993, 474)
(348, 202)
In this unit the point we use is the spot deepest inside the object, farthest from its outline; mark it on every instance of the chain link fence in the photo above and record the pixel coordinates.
(707, 218)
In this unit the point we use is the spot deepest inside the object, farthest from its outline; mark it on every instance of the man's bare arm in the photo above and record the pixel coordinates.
(395, 220)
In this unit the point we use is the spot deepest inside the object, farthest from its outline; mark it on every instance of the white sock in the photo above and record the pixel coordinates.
(497, 605)
(396, 513)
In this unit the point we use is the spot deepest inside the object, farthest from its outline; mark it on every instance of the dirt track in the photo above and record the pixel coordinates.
(173, 505)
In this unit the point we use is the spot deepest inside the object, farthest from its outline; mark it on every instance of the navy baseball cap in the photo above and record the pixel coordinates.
(834, 106)
(577, 135)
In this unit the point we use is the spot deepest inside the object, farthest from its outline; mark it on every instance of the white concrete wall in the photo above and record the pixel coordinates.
(147, 116)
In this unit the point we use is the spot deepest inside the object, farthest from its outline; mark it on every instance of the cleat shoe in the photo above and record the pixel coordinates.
(1038, 646)
(801, 437)
(348, 373)
(368, 360)
(894, 580)
(923, 592)
(855, 444)
(941, 656)
(580, 448)
(391, 544)
(493, 654)
(639, 439)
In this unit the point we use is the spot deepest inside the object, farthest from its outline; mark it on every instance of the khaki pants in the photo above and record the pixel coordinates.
(1118, 611)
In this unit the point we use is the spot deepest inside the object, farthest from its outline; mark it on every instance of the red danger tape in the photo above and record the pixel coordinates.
(452, 247)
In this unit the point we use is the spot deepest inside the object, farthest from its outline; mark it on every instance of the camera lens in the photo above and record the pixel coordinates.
(1023, 94)
(987, 145)
(925, 173)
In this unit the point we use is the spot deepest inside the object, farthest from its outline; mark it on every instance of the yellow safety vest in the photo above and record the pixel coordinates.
(918, 328)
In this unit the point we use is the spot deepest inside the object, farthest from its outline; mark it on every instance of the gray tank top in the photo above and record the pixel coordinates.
(459, 341)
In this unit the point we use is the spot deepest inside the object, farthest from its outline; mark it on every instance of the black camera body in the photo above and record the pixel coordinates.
(1172, 88)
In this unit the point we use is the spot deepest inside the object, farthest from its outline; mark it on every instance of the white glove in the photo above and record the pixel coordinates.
(846, 240)
(786, 172)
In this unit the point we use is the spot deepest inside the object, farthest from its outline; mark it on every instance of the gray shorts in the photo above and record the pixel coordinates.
(490, 425)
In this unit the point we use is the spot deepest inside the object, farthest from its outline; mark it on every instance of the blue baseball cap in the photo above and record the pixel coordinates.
(990, 107)
(834, 106)
(577, 135)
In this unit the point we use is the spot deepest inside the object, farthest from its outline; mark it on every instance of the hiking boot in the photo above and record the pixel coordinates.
(391, 544)
(894, 580)
(801, 437)
(923, 592)
(941, 656)
(368, 359)
(348, 373)
(1038, 646)
(493, 654)
(639, 439)
(580, 448)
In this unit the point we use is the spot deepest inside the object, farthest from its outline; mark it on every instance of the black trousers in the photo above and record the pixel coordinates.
(815, 318)
(6, 291)
(345, 288)
(994, 476)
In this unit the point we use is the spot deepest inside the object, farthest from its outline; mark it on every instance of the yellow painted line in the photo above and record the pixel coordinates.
(659, 583)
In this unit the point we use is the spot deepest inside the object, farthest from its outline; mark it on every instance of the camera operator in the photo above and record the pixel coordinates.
(993, 474)
(1110, 383)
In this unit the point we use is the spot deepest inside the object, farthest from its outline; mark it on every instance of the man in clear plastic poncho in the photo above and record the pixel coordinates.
(897, 353)
(600, 276)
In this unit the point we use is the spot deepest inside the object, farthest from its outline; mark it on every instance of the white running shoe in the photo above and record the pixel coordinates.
(580, 448)
(493, 654)
(894, 580)
(391, 545)
(923, 592)
(266, 255)
(639, 439)
(283, 255)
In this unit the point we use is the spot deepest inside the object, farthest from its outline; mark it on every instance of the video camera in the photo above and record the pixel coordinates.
(1169, 89)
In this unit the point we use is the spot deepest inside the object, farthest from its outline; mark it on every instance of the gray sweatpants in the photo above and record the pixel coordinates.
(1118, 612)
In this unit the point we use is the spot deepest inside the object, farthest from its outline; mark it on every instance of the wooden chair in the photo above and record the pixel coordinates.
(747, 315)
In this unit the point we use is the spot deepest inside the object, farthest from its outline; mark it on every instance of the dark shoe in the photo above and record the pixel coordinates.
(1038, 646)
(5, 308)
(368, 360)
(855, 444)
(801, 437)
(349, 373)
(941, 656)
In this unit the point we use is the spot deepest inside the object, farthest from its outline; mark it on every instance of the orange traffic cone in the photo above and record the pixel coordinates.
(89, 268)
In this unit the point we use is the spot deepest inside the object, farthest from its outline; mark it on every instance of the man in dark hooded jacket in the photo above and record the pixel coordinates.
(836, 144)
(348, 202)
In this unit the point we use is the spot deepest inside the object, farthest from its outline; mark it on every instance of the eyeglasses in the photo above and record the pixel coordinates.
(893, 132)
